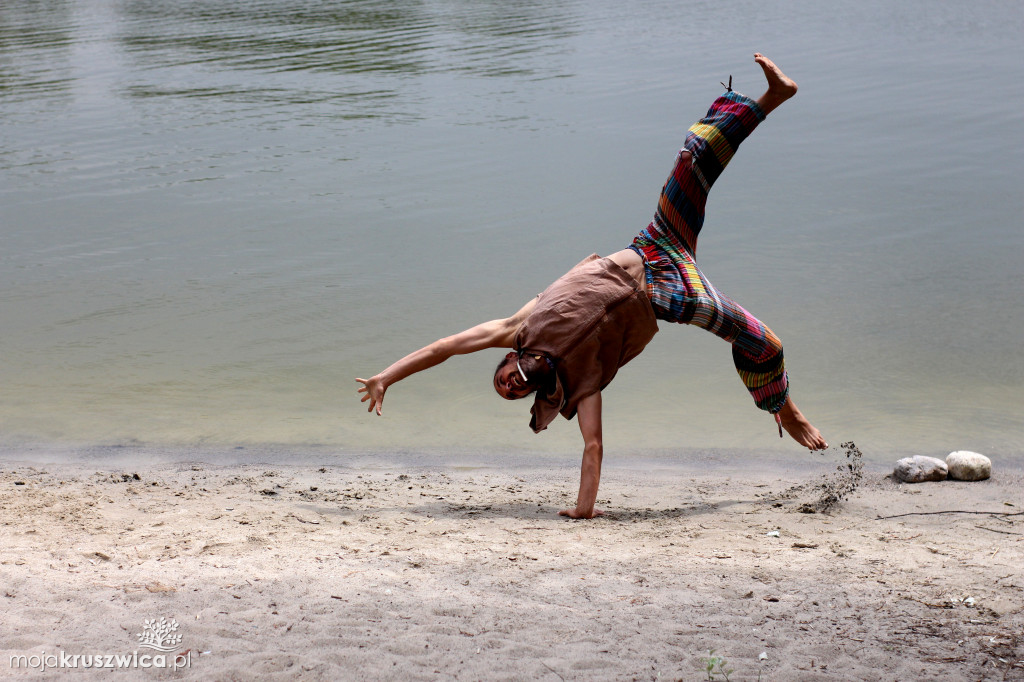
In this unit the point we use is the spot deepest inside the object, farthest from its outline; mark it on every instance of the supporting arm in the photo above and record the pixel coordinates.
(588, 415)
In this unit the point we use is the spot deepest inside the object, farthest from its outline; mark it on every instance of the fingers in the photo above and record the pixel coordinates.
(375, 402)
(376, 397)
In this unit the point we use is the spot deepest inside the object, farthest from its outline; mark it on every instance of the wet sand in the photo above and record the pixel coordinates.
(325, 572)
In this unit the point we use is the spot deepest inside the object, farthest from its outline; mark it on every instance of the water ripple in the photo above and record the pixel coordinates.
(357, 37)
(213, 213)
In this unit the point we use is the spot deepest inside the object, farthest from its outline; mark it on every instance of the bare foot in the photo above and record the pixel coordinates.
(780, 86)
(801, 430)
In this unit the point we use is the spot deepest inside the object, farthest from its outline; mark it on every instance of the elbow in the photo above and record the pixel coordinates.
(440, 350)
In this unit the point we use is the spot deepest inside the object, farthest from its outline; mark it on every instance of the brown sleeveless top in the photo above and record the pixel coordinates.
(590, 322)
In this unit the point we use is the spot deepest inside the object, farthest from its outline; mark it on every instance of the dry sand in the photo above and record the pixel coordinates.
(303, 572)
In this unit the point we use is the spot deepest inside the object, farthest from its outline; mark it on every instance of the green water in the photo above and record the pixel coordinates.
(214, 215)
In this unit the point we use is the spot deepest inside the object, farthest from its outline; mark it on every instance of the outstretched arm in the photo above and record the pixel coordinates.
(493, 334)
(588, 414)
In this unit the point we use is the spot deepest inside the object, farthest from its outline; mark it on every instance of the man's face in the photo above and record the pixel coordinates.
(508, 382)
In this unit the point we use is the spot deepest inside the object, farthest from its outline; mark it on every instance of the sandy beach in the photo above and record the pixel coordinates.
(326, 572)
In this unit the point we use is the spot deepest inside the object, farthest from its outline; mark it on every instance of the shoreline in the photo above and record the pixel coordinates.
(698, 460)
(318, 572)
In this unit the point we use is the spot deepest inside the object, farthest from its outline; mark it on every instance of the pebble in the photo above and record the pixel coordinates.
(919, 468)
(964, 465)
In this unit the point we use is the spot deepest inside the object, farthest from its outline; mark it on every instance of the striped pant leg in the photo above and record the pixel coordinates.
(710, 145)
(756, 350)
(679, 291)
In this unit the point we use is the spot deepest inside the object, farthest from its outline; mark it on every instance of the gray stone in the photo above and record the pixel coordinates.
(918, 469)
(965, 465)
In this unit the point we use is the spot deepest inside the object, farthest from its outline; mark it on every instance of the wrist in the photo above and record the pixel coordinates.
(585, 512)
(585, 503)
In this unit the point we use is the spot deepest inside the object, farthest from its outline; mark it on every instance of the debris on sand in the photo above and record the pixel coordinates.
(832, 488)
(838, 486)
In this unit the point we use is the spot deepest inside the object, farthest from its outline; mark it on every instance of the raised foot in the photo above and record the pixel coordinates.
(780, 86)
(778, 82)
(799, 429)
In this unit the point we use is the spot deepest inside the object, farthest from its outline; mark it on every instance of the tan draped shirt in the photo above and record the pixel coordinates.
(590, 322)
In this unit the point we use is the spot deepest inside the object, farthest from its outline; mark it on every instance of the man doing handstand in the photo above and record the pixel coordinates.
(569, 342)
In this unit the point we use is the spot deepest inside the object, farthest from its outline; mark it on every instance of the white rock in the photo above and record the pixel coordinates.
(918, 468)
(964, 465)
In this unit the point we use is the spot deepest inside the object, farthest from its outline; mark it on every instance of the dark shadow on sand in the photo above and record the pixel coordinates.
(525, 511)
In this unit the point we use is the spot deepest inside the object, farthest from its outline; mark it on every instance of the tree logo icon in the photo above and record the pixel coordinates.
(160, 635)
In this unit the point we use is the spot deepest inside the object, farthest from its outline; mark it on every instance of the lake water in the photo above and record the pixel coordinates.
(215, 214)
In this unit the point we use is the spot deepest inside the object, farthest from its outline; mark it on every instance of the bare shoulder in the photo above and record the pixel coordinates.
(500, 333)
(516, 320)
(510, 325)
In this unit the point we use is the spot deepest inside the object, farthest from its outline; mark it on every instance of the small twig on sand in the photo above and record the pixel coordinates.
(928, 604)
(514, 530)
(951, 511)
(552, 670)
(1004, 532)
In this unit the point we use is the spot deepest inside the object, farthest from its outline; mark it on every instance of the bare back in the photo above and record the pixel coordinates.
(630, 261)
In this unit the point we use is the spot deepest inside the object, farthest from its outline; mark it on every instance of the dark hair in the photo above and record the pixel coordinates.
(539, 371)
(501, 365)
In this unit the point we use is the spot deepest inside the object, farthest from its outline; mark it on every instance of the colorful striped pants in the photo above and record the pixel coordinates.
(679, 291)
